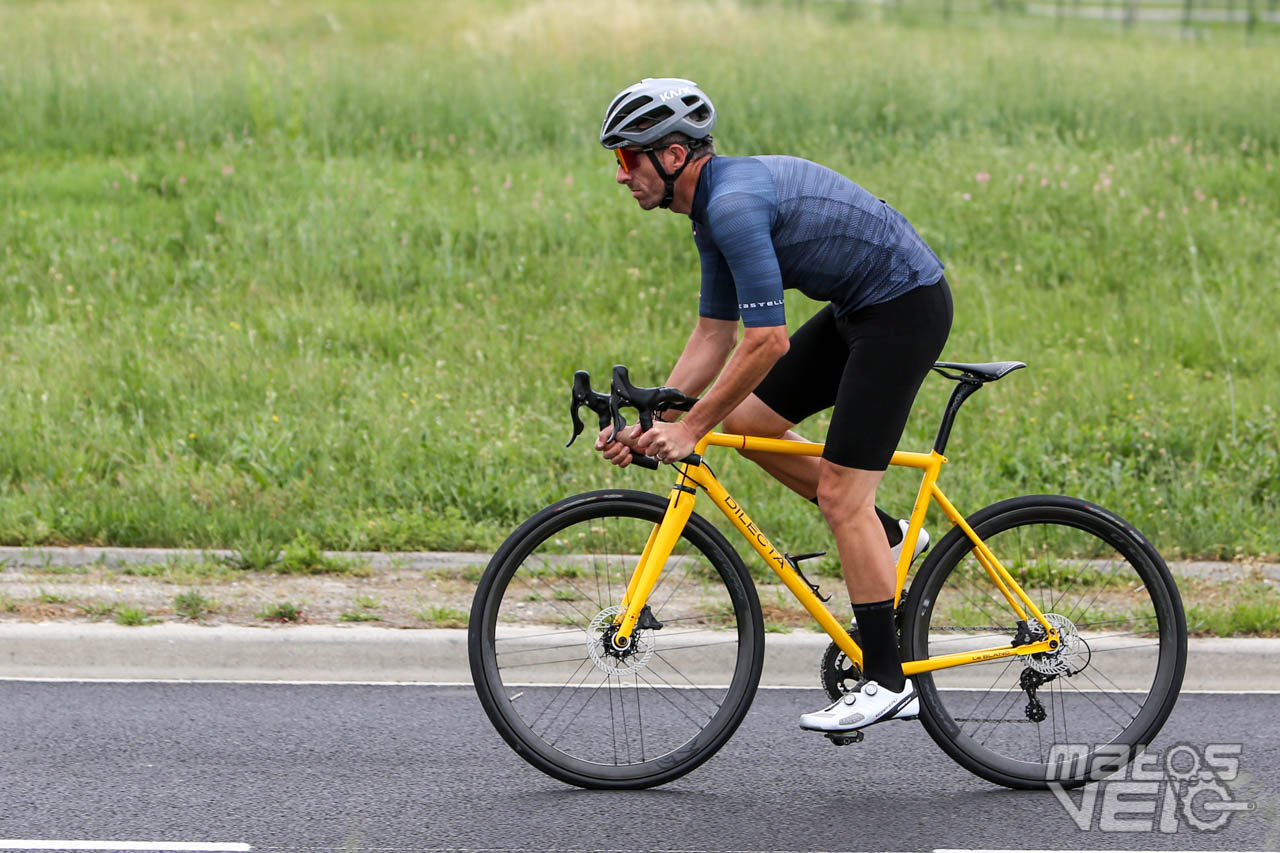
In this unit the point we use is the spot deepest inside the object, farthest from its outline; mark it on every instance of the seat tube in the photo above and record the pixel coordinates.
(661, 543)
(932, 465)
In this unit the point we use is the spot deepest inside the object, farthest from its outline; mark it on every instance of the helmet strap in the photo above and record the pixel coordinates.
(669, 180)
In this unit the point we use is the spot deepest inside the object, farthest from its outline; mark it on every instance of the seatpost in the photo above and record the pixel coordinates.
(964, 389)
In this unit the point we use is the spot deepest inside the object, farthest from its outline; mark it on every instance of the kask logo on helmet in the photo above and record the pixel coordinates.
(675, 93)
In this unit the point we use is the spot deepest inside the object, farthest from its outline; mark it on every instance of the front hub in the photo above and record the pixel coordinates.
(606, 652)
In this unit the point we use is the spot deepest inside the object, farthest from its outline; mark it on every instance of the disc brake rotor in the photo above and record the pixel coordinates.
(632, 659)
(1072, 654)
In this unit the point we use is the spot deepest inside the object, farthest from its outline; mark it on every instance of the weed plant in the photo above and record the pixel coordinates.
(364, 605)
(255, 553)
(272, 268)
(444, 617)
(98, 609)
(284, 611)
(132, 616)
(359, 616)
(193, 605)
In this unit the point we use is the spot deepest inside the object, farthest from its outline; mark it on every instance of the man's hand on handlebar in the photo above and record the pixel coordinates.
(667, 442)
(619, 451)
(662, 441)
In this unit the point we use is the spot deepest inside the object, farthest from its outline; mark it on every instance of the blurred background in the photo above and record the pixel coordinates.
(327, 269)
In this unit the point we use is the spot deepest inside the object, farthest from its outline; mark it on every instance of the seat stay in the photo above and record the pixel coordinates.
(1000, 576)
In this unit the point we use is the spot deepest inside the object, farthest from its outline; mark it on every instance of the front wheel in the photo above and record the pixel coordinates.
(557, 690)
(1065, 717)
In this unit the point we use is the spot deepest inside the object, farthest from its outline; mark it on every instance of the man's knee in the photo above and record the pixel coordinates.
(842, 492)
(837, 502)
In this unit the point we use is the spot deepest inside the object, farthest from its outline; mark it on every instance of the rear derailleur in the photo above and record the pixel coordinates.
(1030, 682)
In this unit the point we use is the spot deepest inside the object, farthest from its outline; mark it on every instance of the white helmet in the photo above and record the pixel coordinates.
(654, 107)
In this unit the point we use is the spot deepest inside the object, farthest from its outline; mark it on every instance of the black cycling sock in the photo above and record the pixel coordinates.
(879, 640)
(892, 531)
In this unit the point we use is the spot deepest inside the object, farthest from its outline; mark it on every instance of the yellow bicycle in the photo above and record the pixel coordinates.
(616, 637)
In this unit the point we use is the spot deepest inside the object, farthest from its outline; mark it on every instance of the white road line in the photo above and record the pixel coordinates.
(160, 846)
(318, 683)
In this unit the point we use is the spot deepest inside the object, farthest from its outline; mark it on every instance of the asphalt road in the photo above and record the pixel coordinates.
(354, 767)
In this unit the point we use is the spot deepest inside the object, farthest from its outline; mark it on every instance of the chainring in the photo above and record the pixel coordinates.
(838, 673)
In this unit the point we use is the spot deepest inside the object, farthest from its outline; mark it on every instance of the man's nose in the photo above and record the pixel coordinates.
(622, 176)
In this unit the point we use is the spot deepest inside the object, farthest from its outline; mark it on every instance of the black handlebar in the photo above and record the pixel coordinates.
(646, 401)
(593, 400)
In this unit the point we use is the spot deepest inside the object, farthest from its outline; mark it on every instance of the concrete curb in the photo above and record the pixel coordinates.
(361, 653)
(367, 653)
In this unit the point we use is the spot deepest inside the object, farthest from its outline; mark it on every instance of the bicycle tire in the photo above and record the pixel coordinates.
(634, 721)
(1111, 686)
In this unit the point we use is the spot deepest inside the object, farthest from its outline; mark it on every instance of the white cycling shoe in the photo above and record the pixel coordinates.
(922, 542)
(867, 703)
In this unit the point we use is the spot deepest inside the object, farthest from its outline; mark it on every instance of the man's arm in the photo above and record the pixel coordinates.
(760, 349)
(708, 348)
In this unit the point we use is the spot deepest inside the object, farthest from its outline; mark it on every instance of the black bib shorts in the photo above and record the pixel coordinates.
(868, 364)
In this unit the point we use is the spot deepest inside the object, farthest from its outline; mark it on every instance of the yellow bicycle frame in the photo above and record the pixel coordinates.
(680, 506)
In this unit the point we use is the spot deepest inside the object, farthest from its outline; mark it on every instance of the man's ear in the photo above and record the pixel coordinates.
(679, 155)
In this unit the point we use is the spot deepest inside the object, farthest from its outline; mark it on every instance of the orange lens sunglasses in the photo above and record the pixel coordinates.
(628, 158)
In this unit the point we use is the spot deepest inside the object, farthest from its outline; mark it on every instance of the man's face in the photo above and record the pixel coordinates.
(639, 176)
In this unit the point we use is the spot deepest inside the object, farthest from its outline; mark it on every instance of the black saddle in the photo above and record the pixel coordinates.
(976, 373)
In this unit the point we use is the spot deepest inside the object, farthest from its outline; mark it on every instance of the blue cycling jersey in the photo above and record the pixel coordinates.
(763, 224)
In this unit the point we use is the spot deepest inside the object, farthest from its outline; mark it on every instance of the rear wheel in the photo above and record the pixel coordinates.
(558, 691)
(1069, 716)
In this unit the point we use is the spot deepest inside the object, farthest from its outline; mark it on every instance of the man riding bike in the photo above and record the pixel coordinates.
(763, 224)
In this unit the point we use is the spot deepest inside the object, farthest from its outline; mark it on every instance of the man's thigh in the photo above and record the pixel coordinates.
(891, 348)
(806, 380)
(754, 417)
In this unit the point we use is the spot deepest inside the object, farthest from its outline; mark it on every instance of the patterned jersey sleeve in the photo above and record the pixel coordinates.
(718, 298)
(741, 224)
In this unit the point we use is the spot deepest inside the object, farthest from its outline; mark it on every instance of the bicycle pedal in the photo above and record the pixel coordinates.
(845, 738)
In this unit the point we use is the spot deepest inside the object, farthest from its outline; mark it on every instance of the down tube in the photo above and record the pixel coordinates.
(775, 560)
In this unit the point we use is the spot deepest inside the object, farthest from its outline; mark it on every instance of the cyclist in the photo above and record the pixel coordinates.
(763, 224)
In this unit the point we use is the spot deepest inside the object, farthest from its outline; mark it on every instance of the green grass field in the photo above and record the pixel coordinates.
(272, 271)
